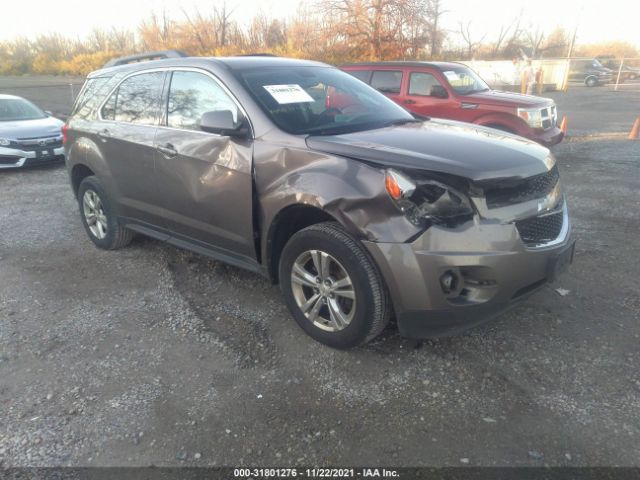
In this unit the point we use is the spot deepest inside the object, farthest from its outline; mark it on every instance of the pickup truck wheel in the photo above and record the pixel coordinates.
(591, 82)
(332, 287)
(98, 218)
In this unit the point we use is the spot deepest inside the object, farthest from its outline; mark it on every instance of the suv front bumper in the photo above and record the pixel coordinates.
(550, 137)
(16, 158)
(492, 269)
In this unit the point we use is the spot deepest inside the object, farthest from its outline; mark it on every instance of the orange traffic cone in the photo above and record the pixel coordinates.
(635, 130)
(563, 125)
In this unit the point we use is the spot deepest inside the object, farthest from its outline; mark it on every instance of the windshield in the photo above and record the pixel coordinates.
(464, 80)
(320, 100)
(12, 109)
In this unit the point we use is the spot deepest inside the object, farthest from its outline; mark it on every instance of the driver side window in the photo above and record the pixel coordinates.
(192, 94)
(420, 83)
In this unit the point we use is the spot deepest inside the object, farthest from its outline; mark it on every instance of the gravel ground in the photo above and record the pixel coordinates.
(152, 355)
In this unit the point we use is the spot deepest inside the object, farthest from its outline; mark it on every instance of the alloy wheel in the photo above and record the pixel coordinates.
(323, 290)
(94, 214)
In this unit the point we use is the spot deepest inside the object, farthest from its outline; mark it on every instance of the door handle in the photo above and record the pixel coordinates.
(409, 102)
(167, 150)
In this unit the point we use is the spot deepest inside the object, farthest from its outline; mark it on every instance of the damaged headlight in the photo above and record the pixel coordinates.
(426, 202)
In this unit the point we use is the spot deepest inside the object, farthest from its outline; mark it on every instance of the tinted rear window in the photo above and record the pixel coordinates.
(387, 81)
(364, 75)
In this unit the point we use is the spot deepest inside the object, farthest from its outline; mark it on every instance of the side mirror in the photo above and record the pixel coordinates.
(48, 113)
(221, 122)
(439, 91)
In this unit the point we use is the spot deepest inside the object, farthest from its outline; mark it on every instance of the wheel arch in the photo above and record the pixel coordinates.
(503, 121)
(286, 223)
(78, 173)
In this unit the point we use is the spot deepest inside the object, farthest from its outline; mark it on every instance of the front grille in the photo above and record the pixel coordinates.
(538, 230)
(549, 117)
(524, 190)
(34, 145)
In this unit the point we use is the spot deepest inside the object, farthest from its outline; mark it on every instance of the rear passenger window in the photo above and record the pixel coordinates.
(136, 100)
(191, 95)
(420, 83)
(386, 81)
(364, 75)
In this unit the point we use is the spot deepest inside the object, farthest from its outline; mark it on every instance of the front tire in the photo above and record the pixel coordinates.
(98, 216)
(591, 82)
(332, 287)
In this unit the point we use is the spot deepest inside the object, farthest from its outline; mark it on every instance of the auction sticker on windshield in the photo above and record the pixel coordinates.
(284, 94)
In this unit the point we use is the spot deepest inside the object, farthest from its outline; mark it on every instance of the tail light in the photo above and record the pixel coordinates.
(65, 128)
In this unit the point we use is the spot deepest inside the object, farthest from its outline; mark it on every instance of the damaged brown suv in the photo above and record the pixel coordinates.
(361, 213)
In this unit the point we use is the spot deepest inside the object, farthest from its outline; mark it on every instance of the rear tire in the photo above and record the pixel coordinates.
(332, 287)
(98, 216)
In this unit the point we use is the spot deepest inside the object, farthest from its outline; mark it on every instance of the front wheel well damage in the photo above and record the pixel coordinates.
(289, 221)
(79, 173)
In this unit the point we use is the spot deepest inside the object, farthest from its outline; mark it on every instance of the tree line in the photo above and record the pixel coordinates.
(333, 31)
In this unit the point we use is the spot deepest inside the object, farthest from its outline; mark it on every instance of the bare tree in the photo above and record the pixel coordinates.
(435, 12)
(534, 38)
(471, 44)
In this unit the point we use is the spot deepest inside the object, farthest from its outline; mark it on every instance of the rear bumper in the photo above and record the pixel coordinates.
(493, 269)
(16, 158)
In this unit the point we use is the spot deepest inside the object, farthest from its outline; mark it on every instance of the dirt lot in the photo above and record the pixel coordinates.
(151, 355)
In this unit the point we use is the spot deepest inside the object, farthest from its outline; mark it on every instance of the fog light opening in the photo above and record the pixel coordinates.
(449, 282)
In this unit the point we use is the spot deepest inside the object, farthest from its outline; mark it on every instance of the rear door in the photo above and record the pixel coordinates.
(125, 135)
(388, 82)
(204, 179)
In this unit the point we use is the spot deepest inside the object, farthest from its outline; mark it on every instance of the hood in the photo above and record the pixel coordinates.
(40, 127)
(506, 99)
(454, 148)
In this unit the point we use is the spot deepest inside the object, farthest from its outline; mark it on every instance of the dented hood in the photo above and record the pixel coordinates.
(455, 148)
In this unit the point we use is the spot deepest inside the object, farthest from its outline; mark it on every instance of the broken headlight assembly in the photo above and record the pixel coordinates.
(426, 202)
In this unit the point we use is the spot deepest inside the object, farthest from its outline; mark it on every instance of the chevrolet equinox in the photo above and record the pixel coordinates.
(360, 213)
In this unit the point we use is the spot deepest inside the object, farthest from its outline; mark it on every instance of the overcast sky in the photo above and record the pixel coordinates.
(597, 20)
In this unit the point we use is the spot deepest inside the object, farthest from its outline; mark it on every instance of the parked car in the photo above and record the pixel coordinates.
(359, 213)
(452, 90)
(627, 72)
(590, 72)
(28, 135)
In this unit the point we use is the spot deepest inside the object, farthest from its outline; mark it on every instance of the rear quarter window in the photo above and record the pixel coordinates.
(387, 81)
(364, 75)
(90, 97)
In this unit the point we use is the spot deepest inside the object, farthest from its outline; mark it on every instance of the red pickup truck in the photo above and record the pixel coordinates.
(454, 91)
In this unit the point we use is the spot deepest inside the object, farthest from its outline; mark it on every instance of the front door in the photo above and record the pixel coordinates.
(422, 97)
(205, 179)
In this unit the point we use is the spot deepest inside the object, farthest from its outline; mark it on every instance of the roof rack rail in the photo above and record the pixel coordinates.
(114, 62)
(256, 55)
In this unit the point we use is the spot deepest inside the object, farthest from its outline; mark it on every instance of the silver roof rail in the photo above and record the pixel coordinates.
(140, 57)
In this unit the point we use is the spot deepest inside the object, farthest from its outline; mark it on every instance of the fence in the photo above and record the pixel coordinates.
(54, 94)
